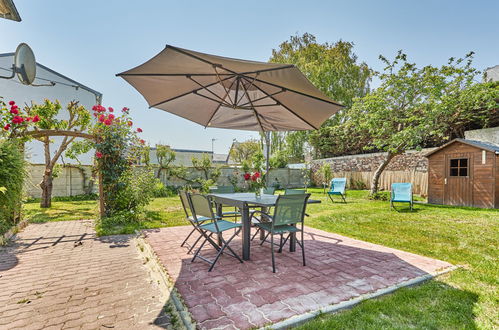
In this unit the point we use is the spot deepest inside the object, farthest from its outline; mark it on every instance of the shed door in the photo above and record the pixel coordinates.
(458, 179)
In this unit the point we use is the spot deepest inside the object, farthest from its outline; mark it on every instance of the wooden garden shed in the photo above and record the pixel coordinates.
(464, 173)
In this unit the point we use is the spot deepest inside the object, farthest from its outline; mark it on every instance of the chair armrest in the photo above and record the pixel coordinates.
(252, 215)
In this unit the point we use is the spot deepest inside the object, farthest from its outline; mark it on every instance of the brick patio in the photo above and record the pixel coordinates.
(47, 281)
(249, 295)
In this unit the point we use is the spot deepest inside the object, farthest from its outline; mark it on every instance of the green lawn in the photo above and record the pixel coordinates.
(465, 298)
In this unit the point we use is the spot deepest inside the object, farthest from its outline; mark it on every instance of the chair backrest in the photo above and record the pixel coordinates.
(290, 209)
(201, 206)
(184, 199)
(222, 190)
(402, 191)
(338, 184)
(269, 190)
(295, 191)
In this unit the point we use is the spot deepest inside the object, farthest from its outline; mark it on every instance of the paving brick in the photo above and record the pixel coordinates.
(250, 295)
(70, 287)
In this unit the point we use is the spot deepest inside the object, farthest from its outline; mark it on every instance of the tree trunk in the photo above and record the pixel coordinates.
(377, 174)
(46, 185)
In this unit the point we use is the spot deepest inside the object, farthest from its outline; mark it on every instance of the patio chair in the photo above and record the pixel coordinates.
(184, 199)
(401, 192)
(338, 187)
(202, 208)
(295, 191)
(288, 212)
(222, 190)
(269, 190)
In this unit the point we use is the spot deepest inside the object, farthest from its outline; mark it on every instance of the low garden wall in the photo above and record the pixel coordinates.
(77, 180)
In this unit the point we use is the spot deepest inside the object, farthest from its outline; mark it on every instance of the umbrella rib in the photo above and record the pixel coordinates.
(287, 108)
(264, 97)
(203, 87)
(212, 99)
(189, 92)
(201, 74)
(297, 92)
(257, 115)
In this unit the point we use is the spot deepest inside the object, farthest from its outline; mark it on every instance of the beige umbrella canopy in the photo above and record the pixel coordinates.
(222, 92)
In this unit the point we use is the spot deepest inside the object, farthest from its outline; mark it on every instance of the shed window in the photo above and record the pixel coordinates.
(459, 167)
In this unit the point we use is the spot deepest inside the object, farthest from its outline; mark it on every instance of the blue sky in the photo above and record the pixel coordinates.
(91, 41)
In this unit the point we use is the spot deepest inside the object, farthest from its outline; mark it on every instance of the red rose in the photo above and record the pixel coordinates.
(110, 109)
(98, 154)
(257, 174)
(29, 118)
(108, 122)
(111, 116)
(254, 177)
(17, 119)
(12, 102)
(130, 123)
(94, 108)
(7, 127)
(102, 118)
(142, 141)
(247, 176)
(36, 119)
(14, 111)
(139, 130)
(125, 109)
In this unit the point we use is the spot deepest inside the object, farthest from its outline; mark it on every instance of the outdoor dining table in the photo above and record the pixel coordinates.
(244, 201)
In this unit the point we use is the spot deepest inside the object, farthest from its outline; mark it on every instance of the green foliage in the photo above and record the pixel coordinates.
(160, 190)
(12, 175)
(380, 196)
(244, 151)
(258, 161)
(166, 156)
(279, 159)
(326, 173)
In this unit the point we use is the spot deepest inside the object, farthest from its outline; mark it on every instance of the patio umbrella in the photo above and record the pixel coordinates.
(216, 91)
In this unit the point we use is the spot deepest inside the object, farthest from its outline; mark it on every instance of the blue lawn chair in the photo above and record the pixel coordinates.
(401, 192)
(338, 187)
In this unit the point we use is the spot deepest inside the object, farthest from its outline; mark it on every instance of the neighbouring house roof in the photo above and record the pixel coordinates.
(74, 83)
(220, 158)
(9, 11)
(478, 144)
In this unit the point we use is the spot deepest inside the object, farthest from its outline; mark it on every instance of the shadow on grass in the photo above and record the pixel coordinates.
(432, 305)
(61, 215)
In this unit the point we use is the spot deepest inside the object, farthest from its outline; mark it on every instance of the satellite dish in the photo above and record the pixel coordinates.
(25, 64)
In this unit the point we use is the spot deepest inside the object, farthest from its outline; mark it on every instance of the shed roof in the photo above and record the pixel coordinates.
(478, 144)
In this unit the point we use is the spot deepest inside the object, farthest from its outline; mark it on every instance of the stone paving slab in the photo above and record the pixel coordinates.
(47, 281)
(248, 295)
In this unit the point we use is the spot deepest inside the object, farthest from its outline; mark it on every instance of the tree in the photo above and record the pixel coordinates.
(335, 70)
(415, 105)
(242, 151)
(166, 156)
(210, 173)
(78, 122)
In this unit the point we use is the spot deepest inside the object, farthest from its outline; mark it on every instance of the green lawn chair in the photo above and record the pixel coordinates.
(202, 208)
(288, 212)
(295, 191)
(338, 187)
(184, 199)
(401, 193)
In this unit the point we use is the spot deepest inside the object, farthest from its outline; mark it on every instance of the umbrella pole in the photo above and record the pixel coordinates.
(267, 158)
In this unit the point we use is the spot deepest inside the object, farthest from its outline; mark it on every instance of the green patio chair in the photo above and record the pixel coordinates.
(288, 212)
(338, 187)
(222, 190)
(184, 199)
(295, 191)
(202, 208)
(401, 192)
(269, 190)
(226, 190)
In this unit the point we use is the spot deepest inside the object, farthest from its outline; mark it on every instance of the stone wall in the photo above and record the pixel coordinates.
(411, 166)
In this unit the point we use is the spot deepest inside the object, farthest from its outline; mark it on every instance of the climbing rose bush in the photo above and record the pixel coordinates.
(14, 121)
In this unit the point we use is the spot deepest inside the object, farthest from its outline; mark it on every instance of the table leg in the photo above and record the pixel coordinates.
(246, 231)
(292, 242)
(219, 214)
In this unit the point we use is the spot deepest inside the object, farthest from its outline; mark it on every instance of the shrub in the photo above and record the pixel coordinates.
(160, 190)
(12, 175)
(380, 196)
